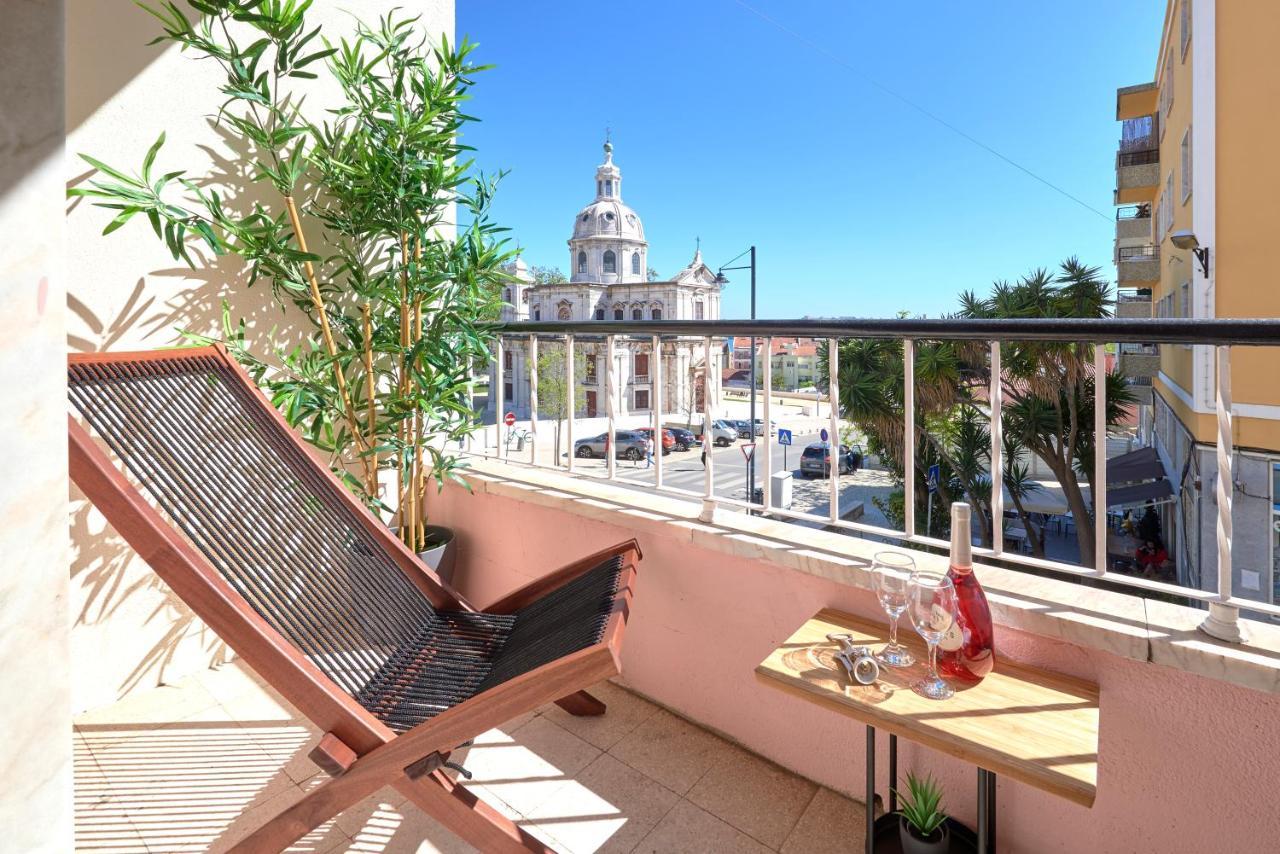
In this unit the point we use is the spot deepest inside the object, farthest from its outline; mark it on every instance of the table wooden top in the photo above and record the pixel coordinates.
(1029, 724)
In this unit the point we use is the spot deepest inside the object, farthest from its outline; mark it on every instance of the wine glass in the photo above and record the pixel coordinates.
(932, 606)
(891, 580)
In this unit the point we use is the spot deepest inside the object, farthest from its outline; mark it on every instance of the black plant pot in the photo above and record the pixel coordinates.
(938, 843)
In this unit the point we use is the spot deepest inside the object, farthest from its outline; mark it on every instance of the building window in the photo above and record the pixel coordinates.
(507, 392)
(599, 314)
(582, 262)
(619, 314)
(641, 399)
(608, 188)
(1186, 164)
(599, 188)
(507, 295)
(565, 313)
(591, 370)
(635, 263)
(537, 313)
(642, 367)
(1164, 209)
(637, 314)
(610, 261)
(1184, 27)
(656, 313)
(1184, 300)
(1166, 90)
(506, 360)
(699, 313)
(1275, 531)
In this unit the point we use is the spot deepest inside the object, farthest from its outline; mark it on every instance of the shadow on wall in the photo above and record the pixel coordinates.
(104, 53)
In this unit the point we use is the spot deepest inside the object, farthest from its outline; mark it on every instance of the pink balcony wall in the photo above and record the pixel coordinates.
(1187, 763)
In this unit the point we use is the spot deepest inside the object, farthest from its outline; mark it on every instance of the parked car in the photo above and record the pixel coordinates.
(743, 427)
(629, 445)
(773, 427)
(723, 432)
(685, 439)
(668, 439)
(816, 460)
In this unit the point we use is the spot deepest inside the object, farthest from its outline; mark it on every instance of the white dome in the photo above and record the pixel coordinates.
(608, 218)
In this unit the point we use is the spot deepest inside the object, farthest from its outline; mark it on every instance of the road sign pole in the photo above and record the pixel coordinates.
(928, 516)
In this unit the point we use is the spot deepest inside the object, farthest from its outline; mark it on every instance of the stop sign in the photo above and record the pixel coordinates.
(509, 419)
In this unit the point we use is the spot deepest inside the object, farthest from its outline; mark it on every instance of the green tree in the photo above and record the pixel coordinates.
(547, 275)
(652, 275)
(557, 393)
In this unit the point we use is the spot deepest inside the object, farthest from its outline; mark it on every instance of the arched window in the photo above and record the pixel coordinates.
(656, 313)
(537, 313)
(582, 262)
(599, 314)
(637, 314)
(608, 188)
(565, 313)
(618, 312)
(507, 296)
(635, 263)
(610, 261)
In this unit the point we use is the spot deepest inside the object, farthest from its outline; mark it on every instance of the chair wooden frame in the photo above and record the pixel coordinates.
(361, 752)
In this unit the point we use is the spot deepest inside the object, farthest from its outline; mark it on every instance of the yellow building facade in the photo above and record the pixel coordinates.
(1197, 164)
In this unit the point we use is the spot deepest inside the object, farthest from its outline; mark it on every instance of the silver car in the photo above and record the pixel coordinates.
(629, 445)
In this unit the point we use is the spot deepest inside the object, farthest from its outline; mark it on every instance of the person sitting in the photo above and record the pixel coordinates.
(1151, 558)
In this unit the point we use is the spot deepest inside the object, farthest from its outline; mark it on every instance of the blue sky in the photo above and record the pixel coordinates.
(729, 128)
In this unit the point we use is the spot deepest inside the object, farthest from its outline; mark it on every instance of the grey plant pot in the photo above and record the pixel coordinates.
(939, 843)
(440, 558)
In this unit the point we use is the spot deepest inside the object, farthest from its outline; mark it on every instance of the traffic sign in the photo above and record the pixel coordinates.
(784, 436)
(748, 449)
(935, 474)
(824, 435)
(509, 419)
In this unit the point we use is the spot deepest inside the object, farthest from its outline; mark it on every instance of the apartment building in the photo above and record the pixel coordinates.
(794, 361)
(1195, 226)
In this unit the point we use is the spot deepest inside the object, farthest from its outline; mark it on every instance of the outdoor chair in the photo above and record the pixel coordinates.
(322, 600)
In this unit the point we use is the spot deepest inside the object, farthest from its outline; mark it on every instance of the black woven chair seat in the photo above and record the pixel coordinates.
(457, 654)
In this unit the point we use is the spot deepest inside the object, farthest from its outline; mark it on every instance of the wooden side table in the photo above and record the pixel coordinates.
(1038, 727)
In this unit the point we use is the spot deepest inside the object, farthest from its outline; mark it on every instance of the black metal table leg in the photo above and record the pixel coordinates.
(871, 789)
(893, 773)
(986, 811)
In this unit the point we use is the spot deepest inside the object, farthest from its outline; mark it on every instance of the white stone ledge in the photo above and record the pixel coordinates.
(1116, 623)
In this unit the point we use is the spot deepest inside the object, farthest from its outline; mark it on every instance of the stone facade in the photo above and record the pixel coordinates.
(608, 255)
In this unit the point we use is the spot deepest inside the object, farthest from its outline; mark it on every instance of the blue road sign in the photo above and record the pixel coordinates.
(932, 479)
(824, 435)
(784, 436)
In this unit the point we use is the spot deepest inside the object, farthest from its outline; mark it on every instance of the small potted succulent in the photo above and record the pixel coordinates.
(922, 825)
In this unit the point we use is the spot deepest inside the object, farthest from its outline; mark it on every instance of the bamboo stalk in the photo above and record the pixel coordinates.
(408, 520)
(418, 480)
(371, 415)
(327, 333)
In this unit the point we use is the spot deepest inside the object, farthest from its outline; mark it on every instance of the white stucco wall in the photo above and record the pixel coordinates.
(35, 757)
(124, 292)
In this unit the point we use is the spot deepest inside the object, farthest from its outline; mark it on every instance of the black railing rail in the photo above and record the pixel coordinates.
(1213, 332)
(1137, 253)
(1141, 157)
(1133, 294)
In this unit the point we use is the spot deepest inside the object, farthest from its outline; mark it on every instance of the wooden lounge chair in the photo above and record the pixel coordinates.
(322, 600)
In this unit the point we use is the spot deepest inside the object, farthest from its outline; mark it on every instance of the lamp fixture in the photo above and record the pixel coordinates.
(1186, 239)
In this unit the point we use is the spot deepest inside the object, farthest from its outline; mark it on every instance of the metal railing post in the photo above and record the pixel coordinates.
(995, 397)
(767, 470)
(611, 394)
(533, 399)
(499, 403)
(571, 389)
(708, 474)
(833, 394)
(1223, 621)
(909, 437)
(1099, 485)
(655, 400)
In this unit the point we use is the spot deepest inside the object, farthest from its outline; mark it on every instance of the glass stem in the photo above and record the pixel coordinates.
(933, 661)
(893, 632)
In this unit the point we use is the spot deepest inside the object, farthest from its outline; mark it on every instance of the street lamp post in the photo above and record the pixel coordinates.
(721, 280)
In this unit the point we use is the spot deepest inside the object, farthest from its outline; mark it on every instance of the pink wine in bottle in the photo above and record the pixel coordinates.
(967, 652)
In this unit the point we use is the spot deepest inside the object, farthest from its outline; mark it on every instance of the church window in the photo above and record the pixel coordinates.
(637, 314)
(610, 261)
(618, 314)
(599, 189)
(635, 263)
(608, 188)
(537, 313)
(565, 313)
(656, 314)
(641, 396)
(590, 378)
(698, 311)
(507, 360)
(642, 367)
(599, 314)
(508, 295)
(582, 262)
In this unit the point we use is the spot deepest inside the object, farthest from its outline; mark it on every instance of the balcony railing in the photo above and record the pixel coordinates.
(1133, 295)
(1142, 211)
(1221, 334)
(1141, 157)
(1137, 253)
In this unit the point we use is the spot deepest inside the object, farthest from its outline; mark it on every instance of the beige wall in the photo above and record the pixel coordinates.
(125, 292)
(35, 759)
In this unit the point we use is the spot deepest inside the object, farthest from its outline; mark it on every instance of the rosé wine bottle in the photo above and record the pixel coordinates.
(967, 652)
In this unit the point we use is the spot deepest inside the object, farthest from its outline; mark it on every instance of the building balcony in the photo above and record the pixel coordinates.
(1137, 173)
(1137, 266)
(1133, 223)
(1135, 102)
(1140, 360)
(1133, 302)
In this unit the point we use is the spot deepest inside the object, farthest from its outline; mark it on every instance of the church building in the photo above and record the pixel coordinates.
(608, 257)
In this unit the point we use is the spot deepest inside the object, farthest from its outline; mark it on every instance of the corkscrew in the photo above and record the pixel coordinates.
(857, 661)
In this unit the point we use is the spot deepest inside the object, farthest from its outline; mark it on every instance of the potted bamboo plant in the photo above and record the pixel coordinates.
(922, 825)
(369, 219)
